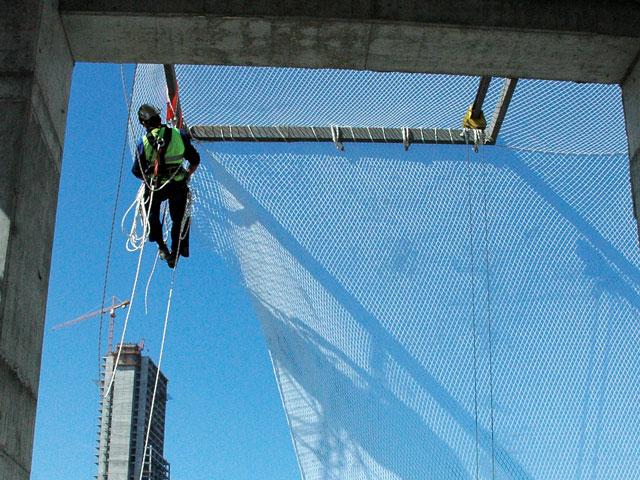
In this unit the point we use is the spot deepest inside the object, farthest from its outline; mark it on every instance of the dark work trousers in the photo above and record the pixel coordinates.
(176, 193)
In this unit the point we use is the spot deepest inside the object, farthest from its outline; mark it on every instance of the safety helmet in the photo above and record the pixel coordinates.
(146, 112)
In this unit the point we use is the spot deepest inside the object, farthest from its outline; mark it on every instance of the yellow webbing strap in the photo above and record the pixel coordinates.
(477, 123)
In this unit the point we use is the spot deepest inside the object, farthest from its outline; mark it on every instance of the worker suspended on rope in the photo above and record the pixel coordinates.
(159, 163)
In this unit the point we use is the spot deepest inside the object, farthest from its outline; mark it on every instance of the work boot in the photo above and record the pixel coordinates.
(171, 260)
(163, 251)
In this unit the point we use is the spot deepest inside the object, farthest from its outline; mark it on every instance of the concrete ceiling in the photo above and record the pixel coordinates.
(583, 40)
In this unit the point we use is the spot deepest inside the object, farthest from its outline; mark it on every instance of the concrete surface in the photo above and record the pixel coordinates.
(583, 40)
(631, 104)
(586, 40)
(35, 74)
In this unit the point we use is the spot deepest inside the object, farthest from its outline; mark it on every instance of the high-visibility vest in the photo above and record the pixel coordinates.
(174, 153)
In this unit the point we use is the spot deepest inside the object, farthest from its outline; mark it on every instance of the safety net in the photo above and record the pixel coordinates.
(434, 313)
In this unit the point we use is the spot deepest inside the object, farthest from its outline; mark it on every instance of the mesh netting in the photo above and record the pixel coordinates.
(565, 117)
(149, 87)
(438, 313)
(562, 117)
(305, 97)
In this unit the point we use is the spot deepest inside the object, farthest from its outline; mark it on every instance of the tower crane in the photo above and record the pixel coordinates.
(111, 309)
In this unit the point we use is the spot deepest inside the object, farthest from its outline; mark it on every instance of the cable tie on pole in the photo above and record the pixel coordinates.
(370, 136)
(384, 135)
(406, 138)
(422, 135)
(435, 134)
(465, 134)
(231, 133)
(353, 135)
(281, 134)
(313, 130)
(451, 136)
(251, 133)
(335, 136)
(222, 134)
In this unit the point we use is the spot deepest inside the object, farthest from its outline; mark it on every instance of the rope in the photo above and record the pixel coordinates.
(150, 185)
(155, 263)
(473, 304)
(155, 384)
(135, 240)
(146, 290)
(128, 101)
(132, 297)
(182, 235)
(489, 306)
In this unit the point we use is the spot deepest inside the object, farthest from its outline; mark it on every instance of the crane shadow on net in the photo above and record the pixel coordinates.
(358, 409)
(350, 422)
(354, 390)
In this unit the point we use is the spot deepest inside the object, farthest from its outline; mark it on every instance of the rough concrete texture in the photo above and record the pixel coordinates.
(586, 40)
(35, 75)
(17, 417)
(599, 16)
(631, 104)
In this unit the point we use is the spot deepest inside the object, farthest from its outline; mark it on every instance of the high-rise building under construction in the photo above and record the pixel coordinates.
(124, 418)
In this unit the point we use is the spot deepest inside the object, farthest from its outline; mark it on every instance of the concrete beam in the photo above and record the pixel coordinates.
(35, 74)
(631, 105)
(585, 40)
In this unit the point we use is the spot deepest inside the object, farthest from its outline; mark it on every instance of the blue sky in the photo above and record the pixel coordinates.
(225, 419)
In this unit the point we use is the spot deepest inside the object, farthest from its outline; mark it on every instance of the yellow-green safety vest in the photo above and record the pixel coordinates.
(173, 155)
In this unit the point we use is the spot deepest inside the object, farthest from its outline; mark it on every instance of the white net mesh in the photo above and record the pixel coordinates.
(149, 87)
(436, 313)
(305, 97)
(565, 117)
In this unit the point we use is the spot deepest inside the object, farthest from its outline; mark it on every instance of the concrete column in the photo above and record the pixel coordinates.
(631, 104)
(35, 74)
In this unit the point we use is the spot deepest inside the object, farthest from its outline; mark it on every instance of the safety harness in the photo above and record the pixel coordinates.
(159, 145)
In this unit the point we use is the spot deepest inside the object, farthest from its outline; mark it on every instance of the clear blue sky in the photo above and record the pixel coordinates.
(225, 419)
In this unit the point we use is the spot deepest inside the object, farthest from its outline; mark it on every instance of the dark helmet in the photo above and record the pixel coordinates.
(146, 112)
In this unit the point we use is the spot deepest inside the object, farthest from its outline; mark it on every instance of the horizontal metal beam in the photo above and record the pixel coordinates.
(337, 135)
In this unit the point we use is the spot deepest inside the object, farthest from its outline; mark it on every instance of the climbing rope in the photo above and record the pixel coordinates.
(132, 298)
(478, 143)
(128, 103)
(473, 298)
(136, 241)
(140, 207)
(183, 232)
(485, 215)
(165, 236)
